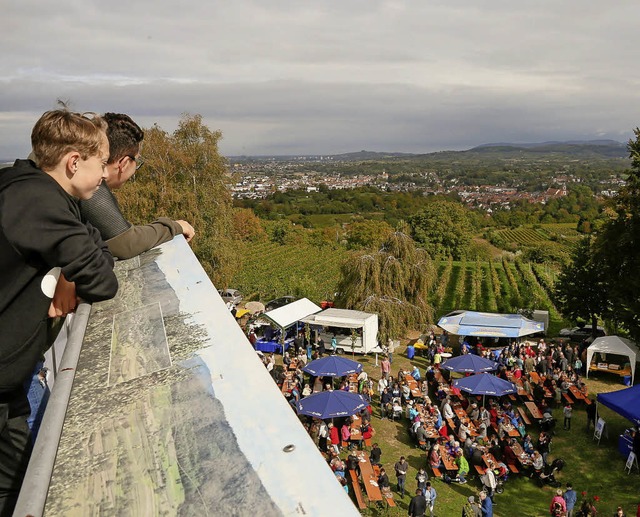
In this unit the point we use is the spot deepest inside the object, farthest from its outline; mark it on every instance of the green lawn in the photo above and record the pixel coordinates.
(597, 469)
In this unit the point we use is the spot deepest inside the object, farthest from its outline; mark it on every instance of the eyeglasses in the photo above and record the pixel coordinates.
(139, 161)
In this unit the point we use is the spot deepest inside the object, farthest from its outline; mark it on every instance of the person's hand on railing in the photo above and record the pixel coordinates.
(64, 299)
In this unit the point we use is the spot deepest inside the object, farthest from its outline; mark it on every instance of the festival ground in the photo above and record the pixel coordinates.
(595, 469)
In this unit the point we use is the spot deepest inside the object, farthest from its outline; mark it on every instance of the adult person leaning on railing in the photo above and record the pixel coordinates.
(124, 239)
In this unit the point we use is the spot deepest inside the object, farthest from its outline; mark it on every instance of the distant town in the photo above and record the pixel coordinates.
(259, 178)
(503, 174)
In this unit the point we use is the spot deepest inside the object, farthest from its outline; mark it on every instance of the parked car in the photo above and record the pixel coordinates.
(581, 333)
(230, 295)
(278, 302)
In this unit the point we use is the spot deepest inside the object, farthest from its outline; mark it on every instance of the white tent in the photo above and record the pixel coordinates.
(614, 345)
(287, 315)
(487, 324)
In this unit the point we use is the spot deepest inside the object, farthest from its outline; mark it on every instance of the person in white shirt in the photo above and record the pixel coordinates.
(489, 482)
(391, 348)
(463, 432)
(447, 412)
(382, 384)
(363, 381)
(323, 434)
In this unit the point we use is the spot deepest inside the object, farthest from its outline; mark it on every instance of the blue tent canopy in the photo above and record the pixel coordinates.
(486, 324)
(625, 402)
(333, 366)
(485, 384)
(331, 404)
(470, 363)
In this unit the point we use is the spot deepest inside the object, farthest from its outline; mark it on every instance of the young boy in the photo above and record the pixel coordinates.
(42, 235)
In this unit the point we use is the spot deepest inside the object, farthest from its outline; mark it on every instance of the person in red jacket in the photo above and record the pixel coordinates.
(558, 506)
(367, 431)
(334, 435)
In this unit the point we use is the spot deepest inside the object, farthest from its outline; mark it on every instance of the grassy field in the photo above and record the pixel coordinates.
(596, 469)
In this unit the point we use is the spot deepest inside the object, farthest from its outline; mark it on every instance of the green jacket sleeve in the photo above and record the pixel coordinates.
(139, 239)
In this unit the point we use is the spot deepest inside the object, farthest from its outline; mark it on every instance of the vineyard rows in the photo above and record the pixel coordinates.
(562, 230)
(498, 286)
(270, 270)
(557, 236)
(524, 236)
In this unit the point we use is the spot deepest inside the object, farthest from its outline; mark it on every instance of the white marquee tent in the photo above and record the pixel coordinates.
(284, 317)
(617, 346)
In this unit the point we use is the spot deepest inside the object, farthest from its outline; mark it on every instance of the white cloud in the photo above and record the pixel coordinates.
(329, 76)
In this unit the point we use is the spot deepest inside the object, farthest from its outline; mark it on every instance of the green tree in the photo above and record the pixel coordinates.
(584, 225)
(581, 290)
(618, 246)
(185, 177)
(442, 228)
(543, 254)
(327, 236)
(280, 232)
(393, 281)
(367, 234)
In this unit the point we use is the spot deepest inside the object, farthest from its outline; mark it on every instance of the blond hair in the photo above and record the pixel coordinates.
(61, 131)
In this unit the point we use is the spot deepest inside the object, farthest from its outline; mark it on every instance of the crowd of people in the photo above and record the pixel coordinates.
(462, 435)
(453, 425)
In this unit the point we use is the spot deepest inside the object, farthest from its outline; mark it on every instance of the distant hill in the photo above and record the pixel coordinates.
(345, 157)
(573, 148)
(369, 155)
(612, 143)
(603, 148)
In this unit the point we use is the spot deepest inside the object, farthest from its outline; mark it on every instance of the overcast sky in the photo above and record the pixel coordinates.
(329, 76)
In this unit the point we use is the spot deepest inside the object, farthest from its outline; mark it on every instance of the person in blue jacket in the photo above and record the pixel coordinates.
(486, 506)
(570, 499)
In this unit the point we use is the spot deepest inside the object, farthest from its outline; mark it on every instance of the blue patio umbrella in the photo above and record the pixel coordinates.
(332, 366)
(469, 363)
(485, 384)
(331, 404)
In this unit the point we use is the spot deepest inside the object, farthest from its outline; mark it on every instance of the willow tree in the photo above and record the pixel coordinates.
(185, 177)
(393, 281)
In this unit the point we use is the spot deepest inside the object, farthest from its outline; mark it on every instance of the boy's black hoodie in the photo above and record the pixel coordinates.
(40, 229)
